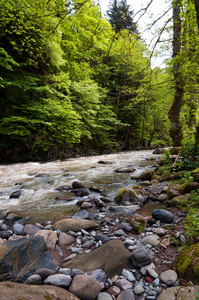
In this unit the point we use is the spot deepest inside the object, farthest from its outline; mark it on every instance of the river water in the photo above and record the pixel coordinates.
(38, 182)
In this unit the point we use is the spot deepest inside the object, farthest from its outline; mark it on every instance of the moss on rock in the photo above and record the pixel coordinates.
(187, 263)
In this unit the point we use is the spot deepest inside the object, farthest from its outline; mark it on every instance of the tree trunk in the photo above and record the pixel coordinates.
(174, 112)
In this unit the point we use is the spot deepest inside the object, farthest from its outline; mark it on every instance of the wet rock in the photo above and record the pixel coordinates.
(153, 240)
(78, 185)
(190, 186)
(31, 255)
(99, 203)
(30, 229)
(81, 192)
(10, 218)
(50, 238)
(126, 295)
(112, 257)
(65, 239)
(85, 287)
(86, 205)
(133, 194)
(17, 229)
(169, 277)
(163, 215)
(84, 214)
(125, 170)
(147, 175)
(34, 279)
(128, 209)
(15, 195)
(141, 256)
(64, 188)
(158, 151)
(13, 291)
(44, 272)
(105, 199)
(66, 225)
(137, 222)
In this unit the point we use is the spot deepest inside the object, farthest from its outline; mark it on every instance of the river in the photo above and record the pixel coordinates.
(38, 181)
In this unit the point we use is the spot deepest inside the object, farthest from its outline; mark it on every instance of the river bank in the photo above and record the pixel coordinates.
(104, 250)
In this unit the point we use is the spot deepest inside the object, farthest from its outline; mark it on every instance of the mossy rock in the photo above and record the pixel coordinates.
(187, 263)
(132, 194)
(174, 190)
(138, 223)
(195, 174)
(180, 201)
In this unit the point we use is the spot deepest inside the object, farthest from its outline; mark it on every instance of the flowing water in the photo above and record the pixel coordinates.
(38, 182)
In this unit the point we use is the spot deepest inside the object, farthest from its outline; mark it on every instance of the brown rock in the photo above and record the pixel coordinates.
(50, 238)
(66, 225)
(112, 257)
(15, 291)
(85, 287)
(65, 239)
(190, 186)
(137, 222)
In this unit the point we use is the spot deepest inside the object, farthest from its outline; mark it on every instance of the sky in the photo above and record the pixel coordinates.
(155, 10)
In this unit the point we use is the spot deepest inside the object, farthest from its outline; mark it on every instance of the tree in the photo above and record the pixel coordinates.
(121, 17)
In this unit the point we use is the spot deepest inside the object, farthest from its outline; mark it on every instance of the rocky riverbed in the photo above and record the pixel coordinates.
(122, 251)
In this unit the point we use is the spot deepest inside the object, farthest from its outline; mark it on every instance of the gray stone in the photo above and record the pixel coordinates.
(22, 257)
(65, 271)
(104, 296)
(88, 244)
(100, 275)
(153, 240)
(44, 272)
(84, 214)
(30, 229)
(163, 215)
(129, 275)
(34, 279)
(160, 231)
(76, 272)
(138, 289)
(120, 232)
(17, 229)
(85, 287)
(169, 277)
(141, 256)
(58, 280)
(124, 284)
(152, 273)
(125, 226)
(163, 197)
(126, 295)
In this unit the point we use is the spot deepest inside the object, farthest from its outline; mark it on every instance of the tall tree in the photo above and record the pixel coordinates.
(121, 17)
(174, 112)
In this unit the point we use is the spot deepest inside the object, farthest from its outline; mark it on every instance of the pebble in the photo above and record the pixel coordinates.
(70, 257)
(58, 280)
(104, 296)
(152, 273)
(123, 284)
(138, 289)
(65, 271)
(128, 275)
(34, 279)
(120, 232)
(169, 277)
(156, 282)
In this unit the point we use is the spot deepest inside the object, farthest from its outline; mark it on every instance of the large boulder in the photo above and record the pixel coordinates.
(132, 194)
(14, 291)
(85, 287)
(187, 263)
(174, 190)
(66, 225)
(19, 259)
(163, 215)
(147, 175)
(49, 236)
(112, 257)
(179, 293)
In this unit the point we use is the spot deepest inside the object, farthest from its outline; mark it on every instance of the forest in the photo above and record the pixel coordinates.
(73, 79)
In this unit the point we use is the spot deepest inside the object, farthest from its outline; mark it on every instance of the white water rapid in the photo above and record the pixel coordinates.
(38, 182)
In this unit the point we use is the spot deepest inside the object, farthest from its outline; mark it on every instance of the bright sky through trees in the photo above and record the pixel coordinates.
(155, 10)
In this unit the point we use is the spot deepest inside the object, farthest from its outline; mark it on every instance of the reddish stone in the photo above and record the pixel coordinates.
(149, 279)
